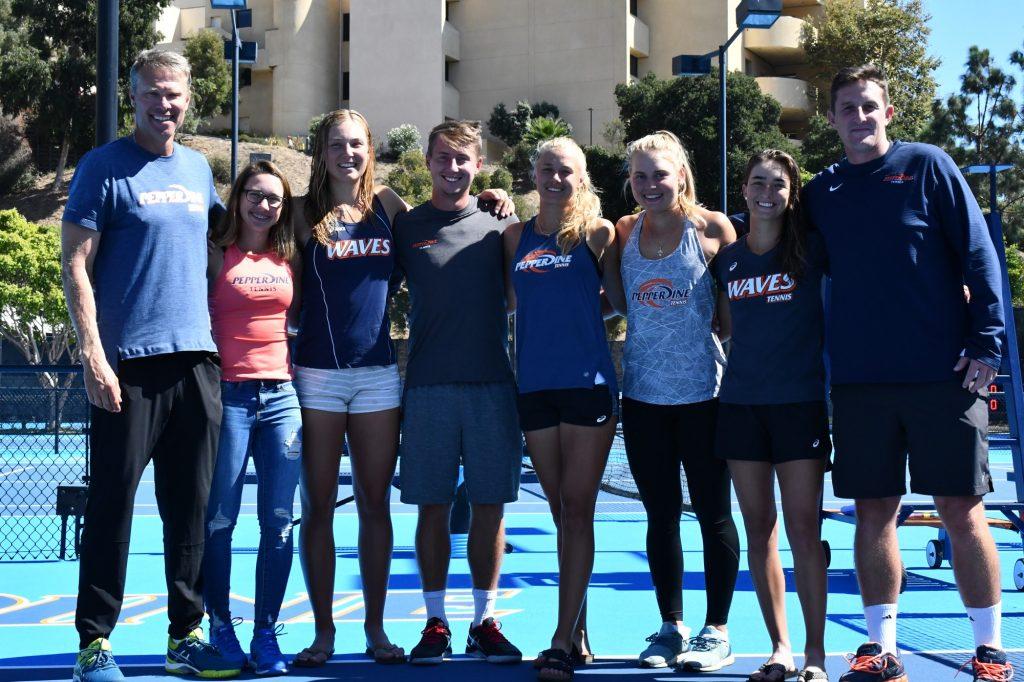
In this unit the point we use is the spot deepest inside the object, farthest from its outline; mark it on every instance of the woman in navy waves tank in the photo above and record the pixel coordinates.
(567, 386)
(347, 379)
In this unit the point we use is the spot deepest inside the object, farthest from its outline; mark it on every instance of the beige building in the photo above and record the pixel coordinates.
(420, 61)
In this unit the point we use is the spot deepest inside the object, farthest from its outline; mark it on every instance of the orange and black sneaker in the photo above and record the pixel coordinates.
(871, 665)
(990, 665)
(434, 646)
(486, 641)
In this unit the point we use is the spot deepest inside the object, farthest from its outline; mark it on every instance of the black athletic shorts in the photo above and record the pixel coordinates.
(940, 427)
(579, 406)
(773, 433)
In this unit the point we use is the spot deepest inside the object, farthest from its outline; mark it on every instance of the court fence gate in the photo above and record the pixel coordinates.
(44, 461)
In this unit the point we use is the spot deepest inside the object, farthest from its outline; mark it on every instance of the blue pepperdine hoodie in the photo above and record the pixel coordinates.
(904, 234)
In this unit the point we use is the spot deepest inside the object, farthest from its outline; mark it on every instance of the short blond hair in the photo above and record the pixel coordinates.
(458, 133)
(160, 59)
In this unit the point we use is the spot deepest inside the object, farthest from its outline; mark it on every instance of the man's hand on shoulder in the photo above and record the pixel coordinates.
(497, 202)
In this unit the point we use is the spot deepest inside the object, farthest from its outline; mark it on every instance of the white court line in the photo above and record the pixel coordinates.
(18, 471)
(157, 661)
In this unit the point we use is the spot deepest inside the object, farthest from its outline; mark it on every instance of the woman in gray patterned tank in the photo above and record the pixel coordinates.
(673, 365)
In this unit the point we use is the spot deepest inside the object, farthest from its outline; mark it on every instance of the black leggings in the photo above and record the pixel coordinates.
(658, 438)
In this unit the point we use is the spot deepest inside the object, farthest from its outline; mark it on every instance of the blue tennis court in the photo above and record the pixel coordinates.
(37, 598)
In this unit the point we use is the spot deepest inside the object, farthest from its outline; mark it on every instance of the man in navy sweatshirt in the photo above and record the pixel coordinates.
(911, 360)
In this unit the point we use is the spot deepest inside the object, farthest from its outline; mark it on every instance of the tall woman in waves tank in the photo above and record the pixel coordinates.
(346, 375)
(567, 386)
(672, 366)
(773, 420)
(251, 291)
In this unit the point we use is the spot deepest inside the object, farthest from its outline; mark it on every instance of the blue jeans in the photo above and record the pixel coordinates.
(261, 420)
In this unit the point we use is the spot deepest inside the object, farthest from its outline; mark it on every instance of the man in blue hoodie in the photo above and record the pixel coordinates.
(911, 360)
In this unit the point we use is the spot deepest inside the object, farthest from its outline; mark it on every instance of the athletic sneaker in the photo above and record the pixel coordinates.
(486, 641)
(192, 655)
(435, 644)
(266, 654)
(871, 665)
(709, 651)
(224, 638)
(990, 665)
(95, 663)
(667, 648)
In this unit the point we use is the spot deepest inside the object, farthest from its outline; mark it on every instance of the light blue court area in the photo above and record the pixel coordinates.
(37, 599)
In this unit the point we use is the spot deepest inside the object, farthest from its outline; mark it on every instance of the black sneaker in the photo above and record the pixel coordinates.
(435, 644)
(486, 641)
(871, 665)
(990, 665)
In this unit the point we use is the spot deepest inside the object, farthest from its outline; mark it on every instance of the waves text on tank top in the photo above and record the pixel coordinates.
(345, 319)
(560, 334)
(671, 356)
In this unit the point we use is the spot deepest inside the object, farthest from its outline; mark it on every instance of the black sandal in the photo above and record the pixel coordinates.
(580, 658)
(767, 670)
(558, 661)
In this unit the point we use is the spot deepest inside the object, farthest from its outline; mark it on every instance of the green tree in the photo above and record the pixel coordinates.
(211, 77)
(33, 316)
(681, 105)
(411, 179)
(983, 123)
(544, 128)
(892, 34)
(510, 126)
(57, 44)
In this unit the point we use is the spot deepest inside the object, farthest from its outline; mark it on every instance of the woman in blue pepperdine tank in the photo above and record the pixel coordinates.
(772, 418)
(567, 385)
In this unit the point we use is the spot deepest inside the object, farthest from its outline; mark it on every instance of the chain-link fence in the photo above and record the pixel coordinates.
(44, 461)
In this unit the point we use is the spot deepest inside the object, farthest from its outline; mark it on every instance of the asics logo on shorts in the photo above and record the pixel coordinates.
(602, 419)
(816, 443)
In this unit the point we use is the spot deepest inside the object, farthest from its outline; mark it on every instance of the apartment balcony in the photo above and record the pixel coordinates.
(789, 4)
(778, 45)
(450, 41)
(450, 101)
(795, 96)
(269, 54)
(639, 37)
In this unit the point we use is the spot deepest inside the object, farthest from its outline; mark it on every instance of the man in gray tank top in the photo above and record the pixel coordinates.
(460, 399)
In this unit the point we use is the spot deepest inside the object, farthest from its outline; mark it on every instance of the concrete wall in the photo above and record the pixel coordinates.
(306, 71)
(396, 63)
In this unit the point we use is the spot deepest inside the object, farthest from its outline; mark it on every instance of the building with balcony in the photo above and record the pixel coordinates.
(421, 61)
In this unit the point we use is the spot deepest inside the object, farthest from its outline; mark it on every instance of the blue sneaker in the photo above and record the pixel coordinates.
(192, 655)
(95, 663)
(266, 654)
(224, 638)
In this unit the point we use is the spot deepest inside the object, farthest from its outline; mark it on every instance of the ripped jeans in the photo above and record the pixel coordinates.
(262, 420)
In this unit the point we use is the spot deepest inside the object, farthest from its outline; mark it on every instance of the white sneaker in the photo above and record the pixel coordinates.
(709, 651)
(668, 646)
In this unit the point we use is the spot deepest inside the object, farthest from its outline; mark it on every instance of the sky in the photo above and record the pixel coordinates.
(997, 25)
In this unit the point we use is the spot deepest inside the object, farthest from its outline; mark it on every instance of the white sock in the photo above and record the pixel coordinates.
(483, 605)
(987, 625)
(881, 622)
(671, 627)
(435, 605)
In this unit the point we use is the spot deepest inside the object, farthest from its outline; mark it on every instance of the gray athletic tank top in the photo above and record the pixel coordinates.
(671, 357)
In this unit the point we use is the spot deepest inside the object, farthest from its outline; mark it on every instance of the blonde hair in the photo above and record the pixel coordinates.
(585, 206)
(458, 133)
(319, 208)
(281, 238)
(666, 143)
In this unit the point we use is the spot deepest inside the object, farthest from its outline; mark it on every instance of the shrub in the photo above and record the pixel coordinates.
(221, 168)
(525, 209)
(517, 162)
(608, 174)
(411, 179)
(314, 123)
(402, 139)
(501, 179)
(510, 126)
(1015, 272)
(16, 169)
(481, 182)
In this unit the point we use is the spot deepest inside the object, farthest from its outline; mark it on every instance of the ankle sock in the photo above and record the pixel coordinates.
(483, 605)
(670, 627)
(881, 622)
(987, 625)
(434, 602)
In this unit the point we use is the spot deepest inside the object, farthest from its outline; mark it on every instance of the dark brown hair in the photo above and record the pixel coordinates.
(319, 208)
(793, 241)
(281, 237)
(853, 74)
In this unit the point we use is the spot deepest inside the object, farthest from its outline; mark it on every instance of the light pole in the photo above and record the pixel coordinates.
(232, 50)
(749, 14)
(106, 71)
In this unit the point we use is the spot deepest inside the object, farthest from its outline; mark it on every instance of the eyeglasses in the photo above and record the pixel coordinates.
(256, 197)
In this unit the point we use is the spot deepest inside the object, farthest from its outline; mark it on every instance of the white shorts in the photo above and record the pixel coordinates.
(353, 389)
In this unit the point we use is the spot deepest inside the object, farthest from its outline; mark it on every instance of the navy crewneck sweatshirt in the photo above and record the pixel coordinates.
(903, 234)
